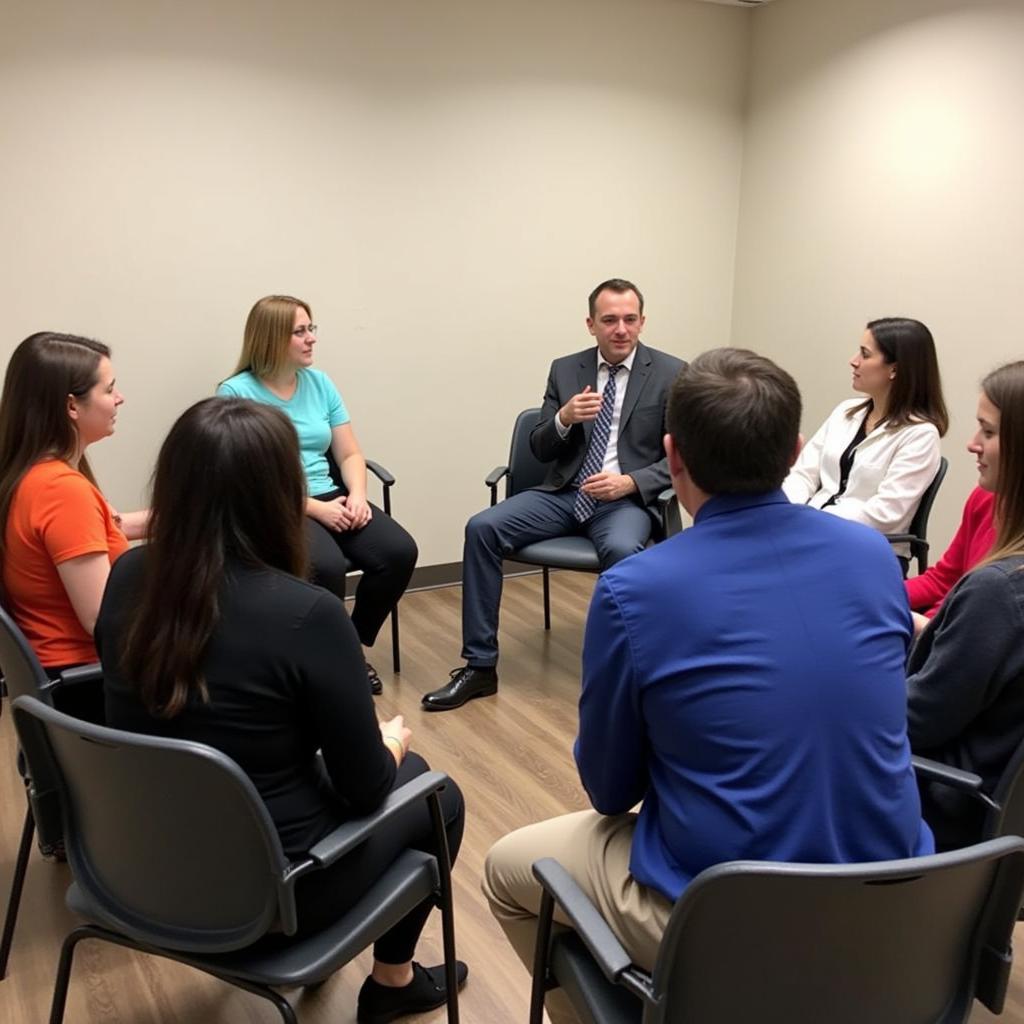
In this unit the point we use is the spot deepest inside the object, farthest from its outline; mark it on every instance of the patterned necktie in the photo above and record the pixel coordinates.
(584, 505)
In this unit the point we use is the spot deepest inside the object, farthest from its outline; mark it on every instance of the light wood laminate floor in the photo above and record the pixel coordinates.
(510, 754)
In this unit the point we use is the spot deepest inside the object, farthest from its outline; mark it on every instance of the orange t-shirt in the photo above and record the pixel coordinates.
(55, 515)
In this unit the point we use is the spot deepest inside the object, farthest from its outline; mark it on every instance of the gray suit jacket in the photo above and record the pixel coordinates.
(641, 426)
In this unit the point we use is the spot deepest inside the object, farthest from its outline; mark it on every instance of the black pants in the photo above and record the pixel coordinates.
(382, 550)
(323, 896)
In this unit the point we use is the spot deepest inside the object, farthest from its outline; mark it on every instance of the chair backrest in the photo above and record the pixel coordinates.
(167, 839)
(899, 942)
(919, 524)
(525, 470)
(23, 674)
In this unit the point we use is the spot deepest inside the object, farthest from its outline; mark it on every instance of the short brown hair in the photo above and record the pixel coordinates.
(734, 418)
(268, 330)
(614, 284)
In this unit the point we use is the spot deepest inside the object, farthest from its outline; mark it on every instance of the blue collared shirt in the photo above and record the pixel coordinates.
(745, 680)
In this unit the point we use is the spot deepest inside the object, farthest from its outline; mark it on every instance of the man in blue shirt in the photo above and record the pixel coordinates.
(743, 680)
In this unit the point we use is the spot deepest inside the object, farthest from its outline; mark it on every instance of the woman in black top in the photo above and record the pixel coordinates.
(965, 677)
(208, 633)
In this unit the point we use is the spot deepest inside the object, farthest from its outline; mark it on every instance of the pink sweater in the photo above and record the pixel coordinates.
(973, 541)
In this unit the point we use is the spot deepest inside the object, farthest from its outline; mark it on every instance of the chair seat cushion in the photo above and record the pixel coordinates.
(559, 553)
(277, 960)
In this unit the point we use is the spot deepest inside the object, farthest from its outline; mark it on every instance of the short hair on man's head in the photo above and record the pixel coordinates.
(614, 284)
(734, 418)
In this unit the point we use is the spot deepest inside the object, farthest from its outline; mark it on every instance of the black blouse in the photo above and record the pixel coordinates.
(286, 677)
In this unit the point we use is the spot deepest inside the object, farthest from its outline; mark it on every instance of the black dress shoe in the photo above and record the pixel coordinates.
(466, 683)
(376, 686)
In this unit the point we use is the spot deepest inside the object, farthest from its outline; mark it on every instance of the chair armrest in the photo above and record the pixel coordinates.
(349, 835)
(907, 538)
(81, 674)
(956, 778)
(492, 480)
(386, 478)
(75, 677)
(936, 771)
(668, 508)
(591, 927)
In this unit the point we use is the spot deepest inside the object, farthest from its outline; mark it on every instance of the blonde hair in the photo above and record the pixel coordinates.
(268, 331)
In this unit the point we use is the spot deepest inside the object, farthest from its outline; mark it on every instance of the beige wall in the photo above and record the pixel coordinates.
(882, 176)
(443, 181)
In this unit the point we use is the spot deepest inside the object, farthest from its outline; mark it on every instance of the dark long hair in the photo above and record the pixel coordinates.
(228, 485)
(34, 423)
(1004, 388)
(916, 392)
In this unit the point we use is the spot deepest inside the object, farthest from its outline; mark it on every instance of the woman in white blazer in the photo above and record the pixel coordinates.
(873, 458)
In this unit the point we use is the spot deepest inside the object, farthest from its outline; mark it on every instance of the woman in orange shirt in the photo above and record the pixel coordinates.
(59, 535)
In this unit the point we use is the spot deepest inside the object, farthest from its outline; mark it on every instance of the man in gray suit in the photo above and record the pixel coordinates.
(601, 430)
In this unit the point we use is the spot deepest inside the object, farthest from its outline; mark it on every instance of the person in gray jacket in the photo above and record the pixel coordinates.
(600, 431)
(966, 672)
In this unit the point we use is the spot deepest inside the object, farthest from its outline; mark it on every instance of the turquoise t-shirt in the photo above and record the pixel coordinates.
(315, 409)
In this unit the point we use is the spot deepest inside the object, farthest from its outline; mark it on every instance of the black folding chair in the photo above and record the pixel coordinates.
(24, 676)
(917, 534)
(523, 471)
(174, 853)
(896, 942)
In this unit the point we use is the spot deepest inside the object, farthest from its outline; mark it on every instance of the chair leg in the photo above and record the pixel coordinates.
(451, 978)
(17, 883)
(283, 1006)
(540, 958)
(60, 991)
(396, 657)
(60, 987)
(547, 599)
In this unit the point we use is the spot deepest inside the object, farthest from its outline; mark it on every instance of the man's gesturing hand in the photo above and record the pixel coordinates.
(581, 408)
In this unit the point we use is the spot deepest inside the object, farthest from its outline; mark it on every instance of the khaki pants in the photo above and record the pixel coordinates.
(594, 849)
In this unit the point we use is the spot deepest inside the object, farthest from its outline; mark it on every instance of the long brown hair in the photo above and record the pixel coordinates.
(268, 330)
(1004, 388)
(916, 392)
(43, 371)
(228, 485)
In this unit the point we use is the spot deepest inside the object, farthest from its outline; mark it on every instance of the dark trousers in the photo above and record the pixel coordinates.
(617, 529)
(323, 896)
(382, 550)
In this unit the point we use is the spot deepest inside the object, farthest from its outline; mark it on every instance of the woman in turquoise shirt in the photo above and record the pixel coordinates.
(276, 367)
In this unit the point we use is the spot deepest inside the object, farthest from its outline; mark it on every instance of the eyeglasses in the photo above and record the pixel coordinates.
(301, 332)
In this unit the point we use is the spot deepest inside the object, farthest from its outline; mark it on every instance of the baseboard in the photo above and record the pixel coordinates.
(449, 574)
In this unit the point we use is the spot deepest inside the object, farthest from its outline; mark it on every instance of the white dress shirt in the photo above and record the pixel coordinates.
(611, 453)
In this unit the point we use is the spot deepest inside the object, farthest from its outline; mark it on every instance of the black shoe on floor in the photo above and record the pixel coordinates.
(376, 686)
(379, 1004)
(465, 684)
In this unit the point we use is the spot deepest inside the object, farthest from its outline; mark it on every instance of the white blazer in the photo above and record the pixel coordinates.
(892, 468)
